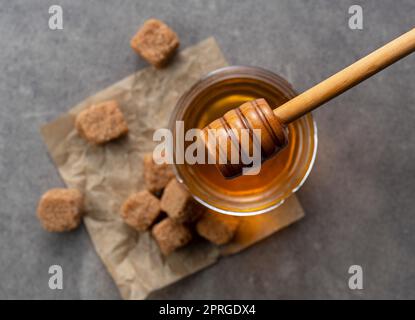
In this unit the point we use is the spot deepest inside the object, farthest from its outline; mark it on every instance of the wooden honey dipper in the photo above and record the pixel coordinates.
(257, 114)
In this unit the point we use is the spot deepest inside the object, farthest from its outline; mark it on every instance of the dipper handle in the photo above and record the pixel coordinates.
(224, 135)
(347, 78)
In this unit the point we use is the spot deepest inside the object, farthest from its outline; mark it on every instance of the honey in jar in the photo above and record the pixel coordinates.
(279, 177)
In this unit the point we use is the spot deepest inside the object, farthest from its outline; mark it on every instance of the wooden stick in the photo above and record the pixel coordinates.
(257, 114)
(347, 78)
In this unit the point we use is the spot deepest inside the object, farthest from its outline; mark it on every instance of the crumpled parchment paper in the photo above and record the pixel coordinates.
(108, 174)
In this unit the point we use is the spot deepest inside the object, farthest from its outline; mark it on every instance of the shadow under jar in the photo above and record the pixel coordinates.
(279, 177)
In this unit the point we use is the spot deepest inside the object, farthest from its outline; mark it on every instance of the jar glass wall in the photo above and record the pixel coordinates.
(279, 177)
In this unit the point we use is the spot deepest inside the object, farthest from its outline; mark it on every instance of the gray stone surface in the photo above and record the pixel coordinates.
(359, 198)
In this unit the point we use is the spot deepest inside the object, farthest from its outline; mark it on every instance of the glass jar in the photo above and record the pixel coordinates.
(279, 177)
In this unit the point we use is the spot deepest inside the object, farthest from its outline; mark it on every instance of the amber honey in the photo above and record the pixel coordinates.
(279, 176)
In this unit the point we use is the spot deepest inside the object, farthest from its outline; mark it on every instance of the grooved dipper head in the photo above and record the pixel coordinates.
(234, 139)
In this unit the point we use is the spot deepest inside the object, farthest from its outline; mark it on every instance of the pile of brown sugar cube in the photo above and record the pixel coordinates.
(169, 211)
(165, 207)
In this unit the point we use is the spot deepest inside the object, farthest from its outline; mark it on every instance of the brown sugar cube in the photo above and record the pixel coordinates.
(140, 210)
(156, 176)
(60, 209)
(171, 235)
(178, 203)
(155, 42)
(101, 122)
(217, 228)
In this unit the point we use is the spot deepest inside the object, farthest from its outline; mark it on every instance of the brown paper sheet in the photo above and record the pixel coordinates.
(108, 174)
